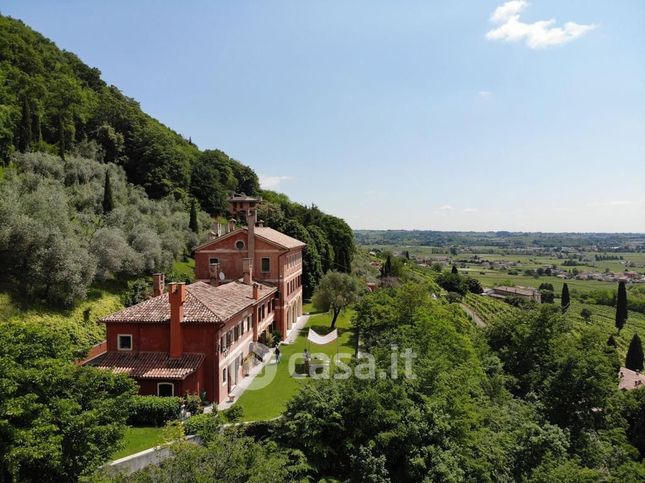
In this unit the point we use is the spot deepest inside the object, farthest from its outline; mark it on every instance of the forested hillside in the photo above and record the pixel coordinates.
(56, 237)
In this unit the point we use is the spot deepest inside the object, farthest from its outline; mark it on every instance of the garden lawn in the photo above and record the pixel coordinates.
(261, 403)
(139, 439)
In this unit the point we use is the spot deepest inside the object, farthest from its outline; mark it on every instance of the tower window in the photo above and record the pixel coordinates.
(266, 264)
(239, 245)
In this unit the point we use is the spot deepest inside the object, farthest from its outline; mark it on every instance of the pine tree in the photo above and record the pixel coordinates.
(565, 300)
(108, 200)
(24, 138)
(193, 224)
(454, 269)
(621, 306)
(634, 360)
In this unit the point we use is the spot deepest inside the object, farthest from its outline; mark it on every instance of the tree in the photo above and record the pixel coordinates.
(565, 299)
(193, 223)
(454, 269)
(634, 359)
(586, 314)
(621, 306)
(24, 137)
(108, 199)
(61, 137)
(335, 292)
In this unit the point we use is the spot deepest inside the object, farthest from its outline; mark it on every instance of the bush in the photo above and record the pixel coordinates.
(203, 425)
(193, 403)
(454, 297)
(154, 410)
(234, 414)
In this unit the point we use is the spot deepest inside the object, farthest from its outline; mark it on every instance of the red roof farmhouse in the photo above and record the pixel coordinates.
(200, 338)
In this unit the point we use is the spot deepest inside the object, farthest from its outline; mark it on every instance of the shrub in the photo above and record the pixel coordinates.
(154, 410)
(234, 414)
(193, 403)
(203, 425)
(454, 297)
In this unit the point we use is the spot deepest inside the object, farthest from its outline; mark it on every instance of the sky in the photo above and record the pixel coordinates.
(439, 115)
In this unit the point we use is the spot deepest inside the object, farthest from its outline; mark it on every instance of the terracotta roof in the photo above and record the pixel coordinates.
(148, 365)
(269, 234)
(629, 379)
(277, 237)
(204, 304)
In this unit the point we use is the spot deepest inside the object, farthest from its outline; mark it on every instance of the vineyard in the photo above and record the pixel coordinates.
(489, 309)
(605, 316)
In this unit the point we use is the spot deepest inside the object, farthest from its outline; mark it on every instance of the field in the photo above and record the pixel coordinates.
(491, 278)
(489, 309)
(260, 403)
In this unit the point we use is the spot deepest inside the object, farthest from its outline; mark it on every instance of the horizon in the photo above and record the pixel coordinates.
(444, 117)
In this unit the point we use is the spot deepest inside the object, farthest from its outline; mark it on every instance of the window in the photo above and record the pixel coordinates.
(222, 344)
(223, 375)
(266, 264)
(239, 245)
(165, 389)
(213, 261)
(124, 342)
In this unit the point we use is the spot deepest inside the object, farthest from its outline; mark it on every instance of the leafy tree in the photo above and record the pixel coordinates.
(193, 224)
(335, 292)
(621, 306)
(58, 420)
(454, 269)
(565, 299)
(634, 360)
(311, 263)
(108, 198)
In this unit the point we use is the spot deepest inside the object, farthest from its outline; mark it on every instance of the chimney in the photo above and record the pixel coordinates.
(247, 268)
(251, 219)
(157, 284)
(177, 297)
(256, 291)
(214, 274)
(231, 224)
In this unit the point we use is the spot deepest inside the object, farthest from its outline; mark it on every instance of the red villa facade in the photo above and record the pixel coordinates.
(200, 338)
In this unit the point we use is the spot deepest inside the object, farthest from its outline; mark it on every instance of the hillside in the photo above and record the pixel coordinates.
(63, 129)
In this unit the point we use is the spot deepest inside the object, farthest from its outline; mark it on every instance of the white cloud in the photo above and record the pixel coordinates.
(273, 182)
(446, 207)
(485, 94)
(538, 34)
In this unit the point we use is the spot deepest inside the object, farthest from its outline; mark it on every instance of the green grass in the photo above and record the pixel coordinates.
(139, 439)
(185, 270)
(82, 320)
(261, 403)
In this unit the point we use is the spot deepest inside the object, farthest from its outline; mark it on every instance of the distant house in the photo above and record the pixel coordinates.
(630, 380)
(503, 292)
(203, 338)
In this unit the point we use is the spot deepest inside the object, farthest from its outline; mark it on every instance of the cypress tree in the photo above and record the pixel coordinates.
(621, 306)
(24, 138)
(454, 269)
(61, 138)
(565, 300)
(108, 200)
(193, 224)
(612, 342)
(634, 360)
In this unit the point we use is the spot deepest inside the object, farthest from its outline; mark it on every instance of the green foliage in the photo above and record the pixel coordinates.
(206, 426)
(154, 410)
(138, 291)
(634, 414)
(335, 292)
(455, 282)
(586, 314)
(193, 224)
(634, 360)
(621, 306)
(227, 457)
(55, 240)
(57, 420)
(565, 298)
(108, 198)
(234, 414)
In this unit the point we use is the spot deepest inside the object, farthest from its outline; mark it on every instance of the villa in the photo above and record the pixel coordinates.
(202, 338)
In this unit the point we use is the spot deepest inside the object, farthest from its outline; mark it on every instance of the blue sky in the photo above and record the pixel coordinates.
(446, 115)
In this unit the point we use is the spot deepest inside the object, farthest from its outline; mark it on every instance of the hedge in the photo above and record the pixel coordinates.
(154, 410)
